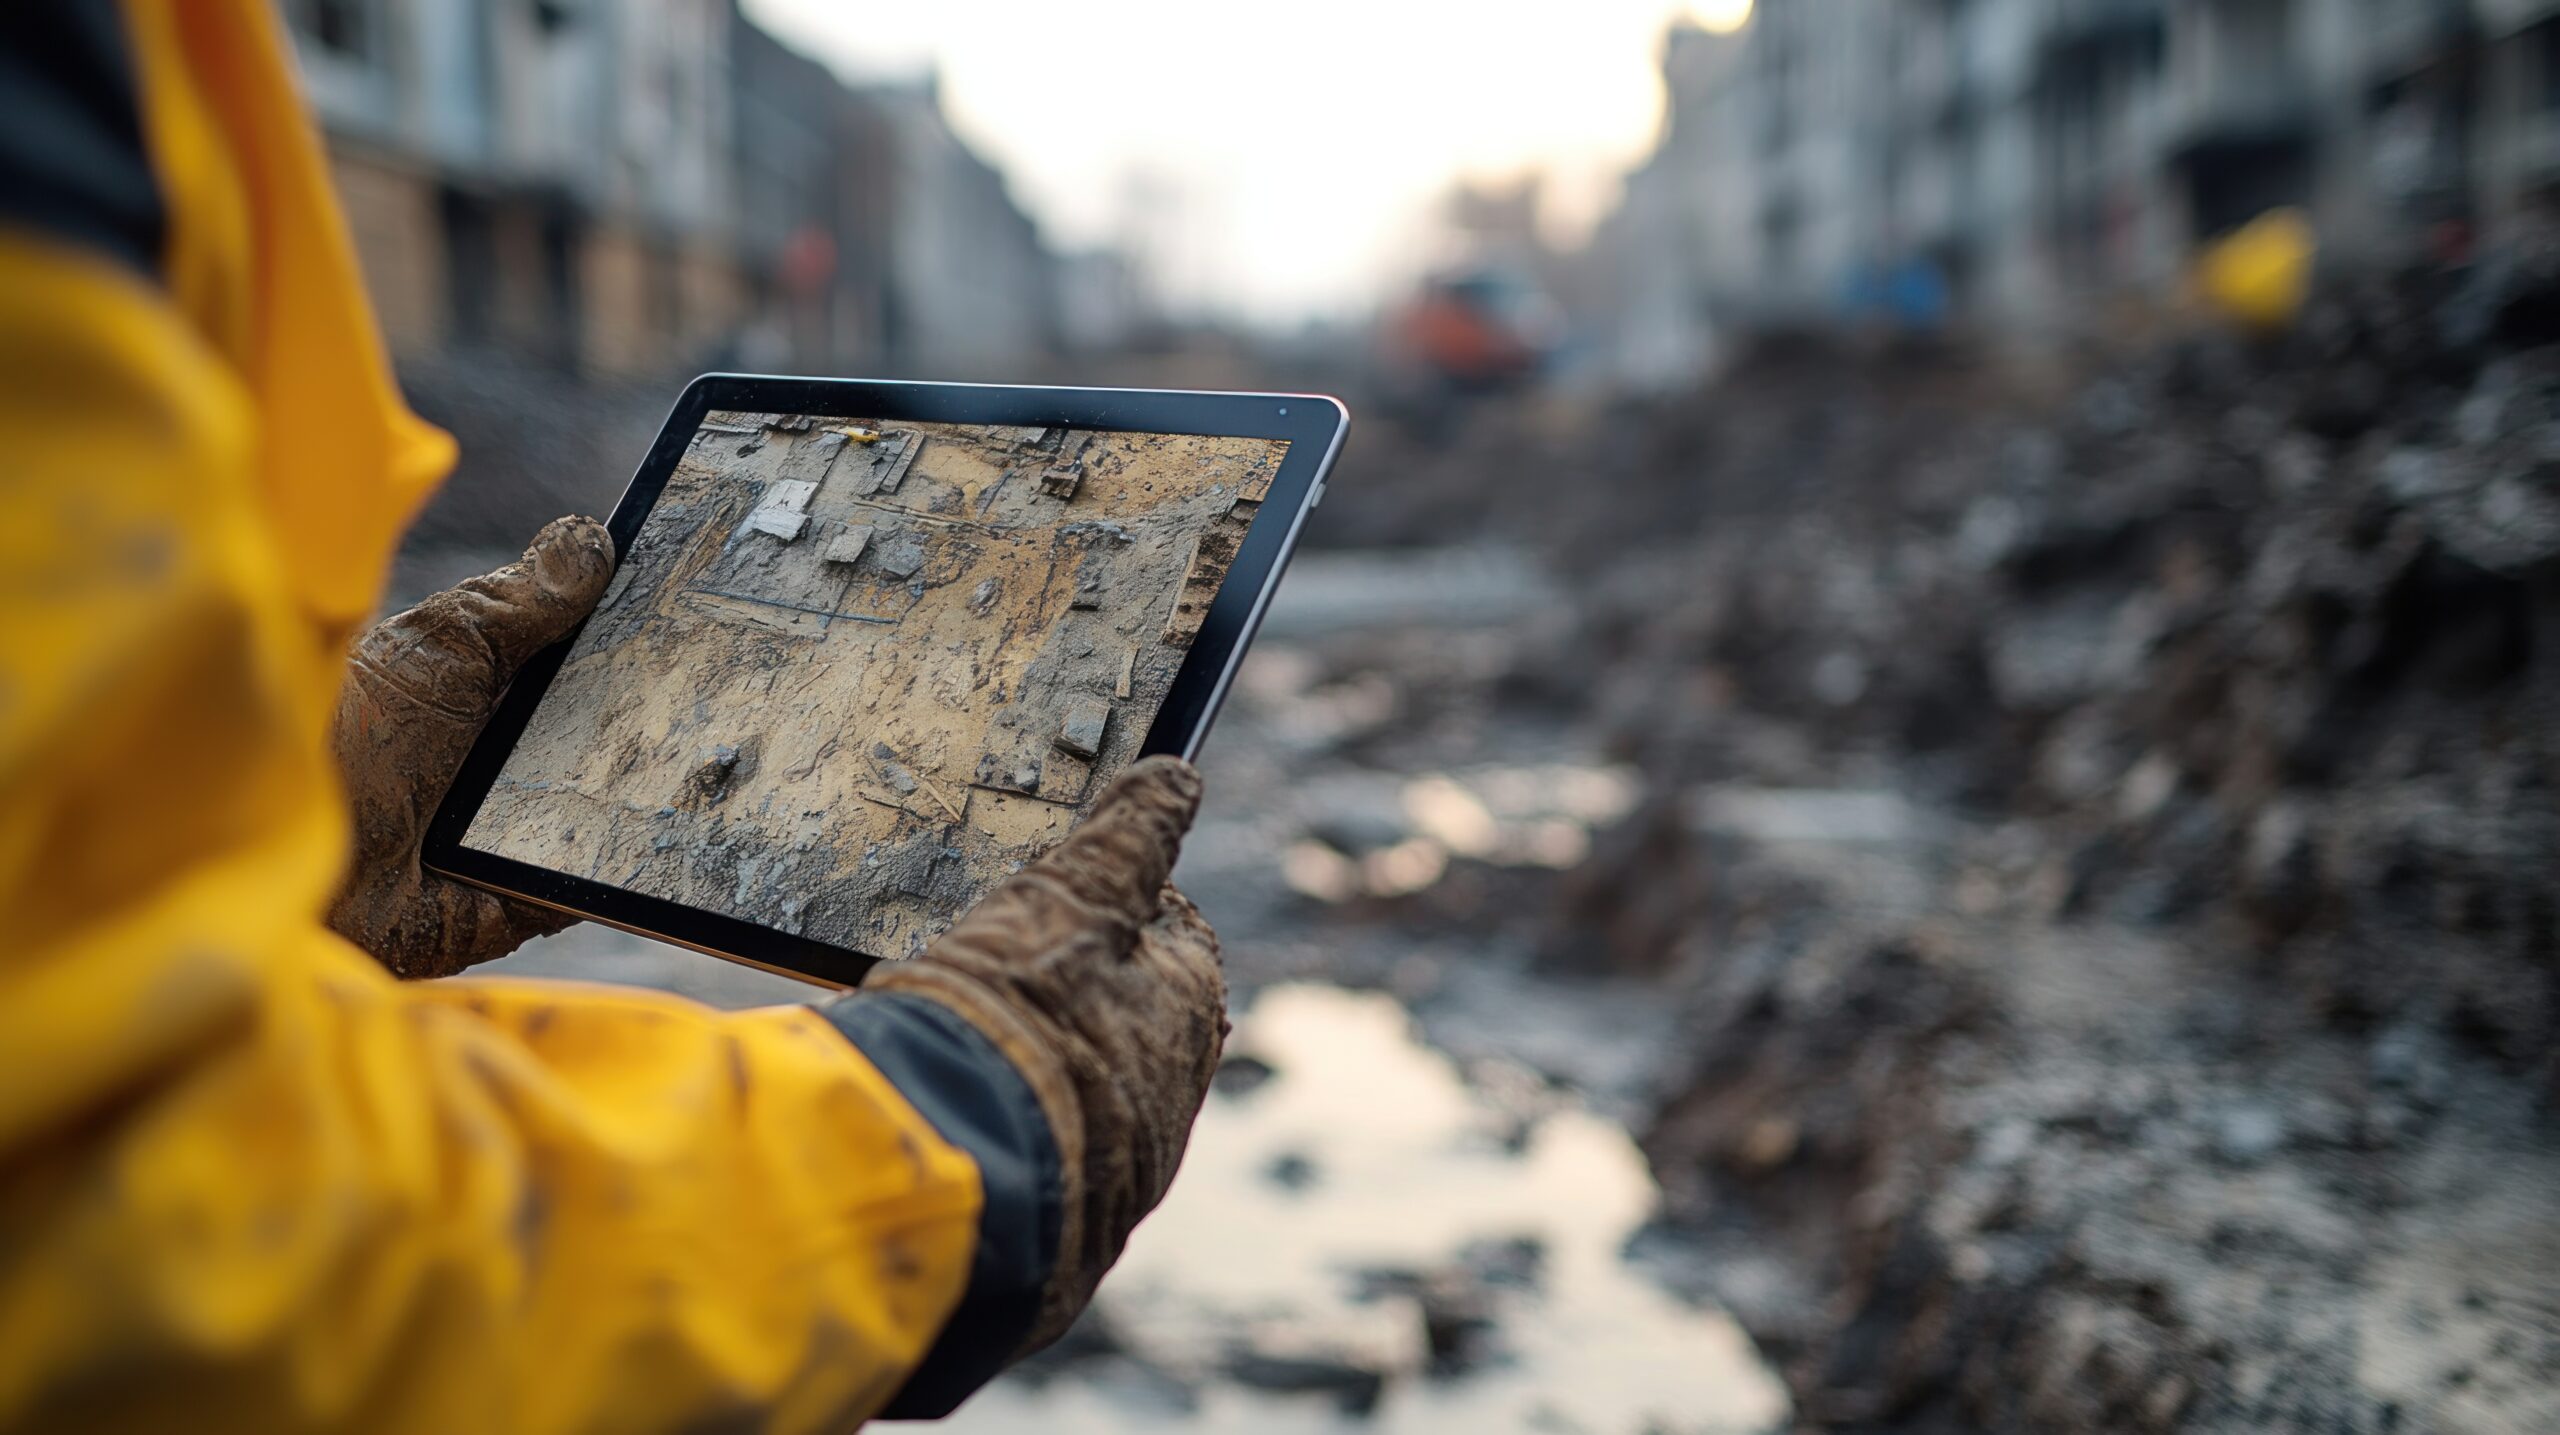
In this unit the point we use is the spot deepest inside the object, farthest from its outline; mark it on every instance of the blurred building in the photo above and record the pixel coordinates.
(1103, 303)
(647, 187)
(969, 288)
(2011, 160)
(815, 164)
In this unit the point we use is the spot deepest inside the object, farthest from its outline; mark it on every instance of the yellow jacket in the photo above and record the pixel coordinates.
(247, 1181)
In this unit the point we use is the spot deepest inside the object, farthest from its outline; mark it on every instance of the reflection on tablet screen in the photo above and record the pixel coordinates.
(852, 674)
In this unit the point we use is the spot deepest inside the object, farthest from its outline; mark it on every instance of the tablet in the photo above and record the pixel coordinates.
(870, 648)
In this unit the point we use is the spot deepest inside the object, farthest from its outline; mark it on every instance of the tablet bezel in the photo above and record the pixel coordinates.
(1313, 425)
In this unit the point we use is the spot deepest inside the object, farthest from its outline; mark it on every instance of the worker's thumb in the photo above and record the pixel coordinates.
(420, 686)
(1108, 876)
(534, 602)
(455, 652)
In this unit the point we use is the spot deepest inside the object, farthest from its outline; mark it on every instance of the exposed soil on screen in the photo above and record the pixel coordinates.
(850, 674)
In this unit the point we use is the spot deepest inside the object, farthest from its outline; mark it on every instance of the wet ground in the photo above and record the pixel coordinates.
(1409, 1204)
(2077, 953)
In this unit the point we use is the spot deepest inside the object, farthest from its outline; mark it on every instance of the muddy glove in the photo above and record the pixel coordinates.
(420, 686)
(1101, 985)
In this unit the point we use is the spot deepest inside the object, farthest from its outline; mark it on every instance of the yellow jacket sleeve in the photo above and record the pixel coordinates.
(248, 1182)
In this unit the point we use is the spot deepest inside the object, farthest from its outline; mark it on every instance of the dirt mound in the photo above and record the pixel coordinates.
(2110, 842)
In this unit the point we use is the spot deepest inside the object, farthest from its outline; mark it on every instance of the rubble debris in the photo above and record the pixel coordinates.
(719, 766)
(900, 555)
(784, 510)
(1018, 774)
(717, 763)
(2083, 807)
(894, 477)
(1211, 555)
(1009, 438)
(1060, 480)
(1080, 735)
(2057, 784)
(1064, 778)
(809, 460)
(883, 464)
(846, 548)
(2248, 1133)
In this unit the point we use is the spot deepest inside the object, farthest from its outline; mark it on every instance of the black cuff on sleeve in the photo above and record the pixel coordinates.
(958, 1081)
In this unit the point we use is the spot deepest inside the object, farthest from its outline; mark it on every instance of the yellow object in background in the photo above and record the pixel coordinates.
(2259, 274)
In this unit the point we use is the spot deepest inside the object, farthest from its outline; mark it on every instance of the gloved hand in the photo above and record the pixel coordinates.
(1101, 984)
(420, 686)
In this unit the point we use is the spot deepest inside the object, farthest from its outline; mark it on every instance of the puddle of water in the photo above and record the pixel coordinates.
(1540, 815)
(1405, 1252)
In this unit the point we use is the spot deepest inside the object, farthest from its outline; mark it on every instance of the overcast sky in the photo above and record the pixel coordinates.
(1284, 157)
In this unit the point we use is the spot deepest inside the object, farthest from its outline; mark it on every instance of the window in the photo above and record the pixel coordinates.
(345, 29)
(471, 265)
(2541, 46)
(551, 17)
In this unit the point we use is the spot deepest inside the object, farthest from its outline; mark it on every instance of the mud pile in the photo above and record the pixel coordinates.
(2244, 646)
(2105, 835)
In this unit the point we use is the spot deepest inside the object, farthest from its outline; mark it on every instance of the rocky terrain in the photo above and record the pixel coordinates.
(2099, 831)
(2056, 862)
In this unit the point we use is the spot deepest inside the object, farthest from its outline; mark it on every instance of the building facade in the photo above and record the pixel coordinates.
(650, 187)
(2009, 161)
(969, 289)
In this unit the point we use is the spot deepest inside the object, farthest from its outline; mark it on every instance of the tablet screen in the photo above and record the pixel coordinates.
(850, 674)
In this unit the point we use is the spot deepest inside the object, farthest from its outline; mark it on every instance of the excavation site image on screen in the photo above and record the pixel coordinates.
(851, 674)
